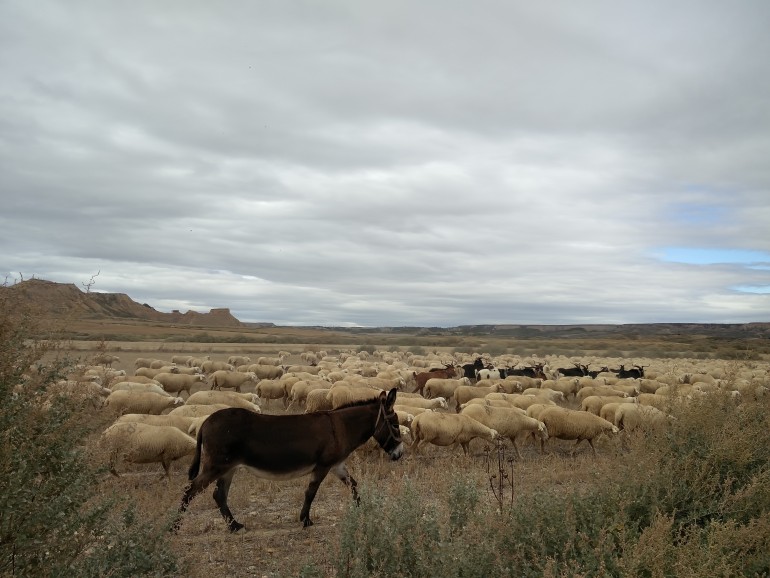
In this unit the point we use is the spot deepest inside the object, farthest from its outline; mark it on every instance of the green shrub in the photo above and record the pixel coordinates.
(53, 520)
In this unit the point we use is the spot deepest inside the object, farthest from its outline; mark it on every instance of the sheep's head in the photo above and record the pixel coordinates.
(178, 401)
(542, 431)
(442, 402)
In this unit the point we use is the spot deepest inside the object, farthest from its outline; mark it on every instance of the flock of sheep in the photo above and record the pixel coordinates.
(159, 408)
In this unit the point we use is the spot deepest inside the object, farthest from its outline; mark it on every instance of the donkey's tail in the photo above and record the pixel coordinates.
(196, 463)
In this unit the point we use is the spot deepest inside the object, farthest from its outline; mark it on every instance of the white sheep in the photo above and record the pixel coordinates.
(545, 393)
(197, 410)
(568, 424)
(179, 382)
(448, 429)
(593, 403)
(231, 398)
(631, 417)
(210, 366)
(409, 409)
(141, 443)
(120, 402)
(180, 422)
(508, 422)
(235, 360)
(604, 390)
(181, 359)
(152, 372)
(232, 379)
(317, 400)
(340, 395)
(270, 389)
(137, 386)
(197, 361)
(82, 392)
(465, 393)
(435, 403)
(132, 379)
(440, 387)
(300, 389)
(266, 371)
(105, 359)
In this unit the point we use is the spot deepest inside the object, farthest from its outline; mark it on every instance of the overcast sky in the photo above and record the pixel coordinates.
(431, 163)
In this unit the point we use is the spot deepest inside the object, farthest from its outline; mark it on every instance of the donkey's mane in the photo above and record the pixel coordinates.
(360, 402)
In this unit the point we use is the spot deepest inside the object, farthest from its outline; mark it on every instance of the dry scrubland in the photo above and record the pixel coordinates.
(691, 500)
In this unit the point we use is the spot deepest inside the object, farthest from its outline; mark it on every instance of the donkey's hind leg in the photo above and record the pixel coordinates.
(341, 471)
(220, 497)
(316, 478)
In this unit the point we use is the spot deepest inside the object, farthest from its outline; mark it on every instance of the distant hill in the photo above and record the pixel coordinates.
(63, 299)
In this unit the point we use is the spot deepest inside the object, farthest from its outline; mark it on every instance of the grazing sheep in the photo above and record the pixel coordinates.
(593, 403)
(179, 382)
(88, 393)
(599, 390)
(181, 359)
(236, 360)
(136, 386)
(152, 372)
(412, 410)
(232, 379)
(340, 395)
(441, 387)
(266, 371)
(608, 411)
(197, 361)
(231, 398)
(405, 418)
(507, 422)
(568, 424)
(270, 361)
(209, 366)
(545, 393)
(141, 443)
(120, 402)
(657, 400)
(142, 362)
(317, 400)
(435, 403)
(105, 359)
(197, 410)
(132, 379)
(270, 389)
(631, 417)
(567, 386)
(465, 393)
(525, 401)
(299, 391)
(180, 422)
(448, 429)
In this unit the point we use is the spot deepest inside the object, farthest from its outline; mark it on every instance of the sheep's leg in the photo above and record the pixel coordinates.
(577, 443)
(515, 447)
(316, 478)
(591, 443)
(220, 497)
(341, 471)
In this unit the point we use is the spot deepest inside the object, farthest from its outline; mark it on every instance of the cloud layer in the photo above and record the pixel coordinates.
(437, 163)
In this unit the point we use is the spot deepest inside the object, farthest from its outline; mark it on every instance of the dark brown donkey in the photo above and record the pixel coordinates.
(281, 447)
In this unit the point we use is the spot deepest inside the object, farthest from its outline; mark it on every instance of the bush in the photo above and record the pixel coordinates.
(53, 522)
(690, 500)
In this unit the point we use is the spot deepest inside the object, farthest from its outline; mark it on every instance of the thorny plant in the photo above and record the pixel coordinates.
(501, 480)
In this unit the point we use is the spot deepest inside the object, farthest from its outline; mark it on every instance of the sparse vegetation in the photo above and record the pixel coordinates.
(692, 500)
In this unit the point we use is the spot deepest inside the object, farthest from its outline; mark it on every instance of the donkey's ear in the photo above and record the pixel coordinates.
(391, 400)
